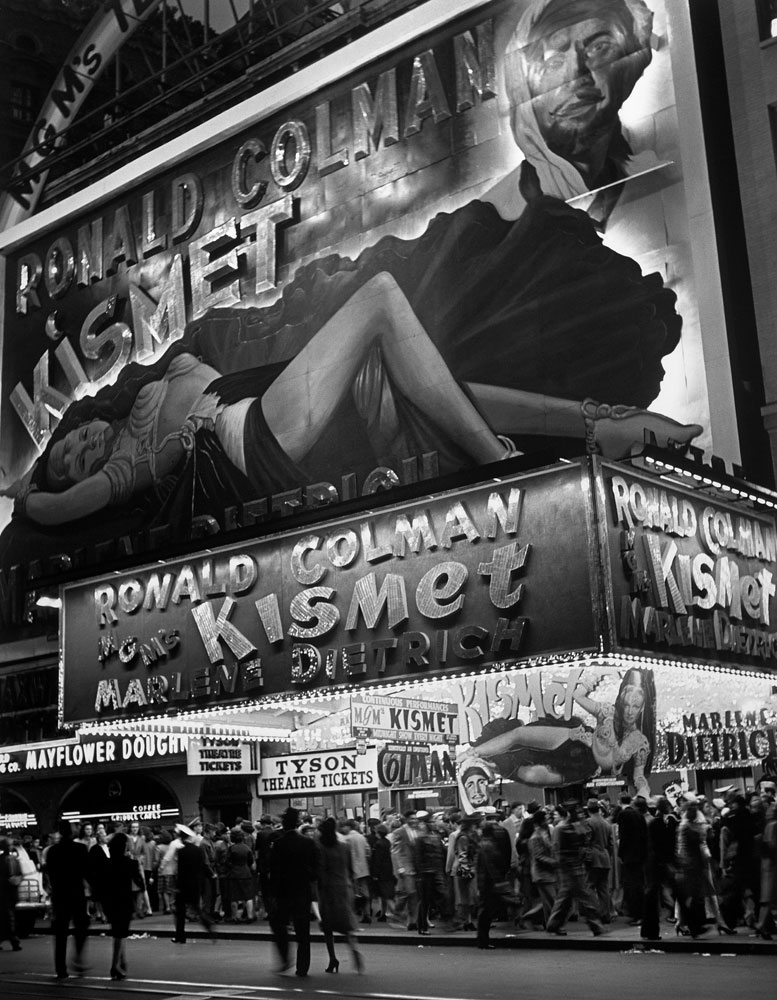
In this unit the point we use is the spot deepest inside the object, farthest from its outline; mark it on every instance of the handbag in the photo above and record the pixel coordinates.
(464, 867)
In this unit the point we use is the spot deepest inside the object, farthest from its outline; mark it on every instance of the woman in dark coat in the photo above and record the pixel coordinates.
(382, 871)
(10, 877)
(121, 874)
(335, 894)
(239, 868)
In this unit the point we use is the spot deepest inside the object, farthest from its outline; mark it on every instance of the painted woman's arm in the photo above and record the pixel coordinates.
(640, 760)
(77, 501)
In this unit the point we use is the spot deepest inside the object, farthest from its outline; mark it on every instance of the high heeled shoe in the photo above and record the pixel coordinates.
(725, 929)
(681, 931)
(334, 966)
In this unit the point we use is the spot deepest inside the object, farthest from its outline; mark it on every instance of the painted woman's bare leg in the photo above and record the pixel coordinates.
(609, 429)
(301, 401)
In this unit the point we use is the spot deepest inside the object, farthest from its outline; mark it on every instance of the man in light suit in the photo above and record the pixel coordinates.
(403, 858)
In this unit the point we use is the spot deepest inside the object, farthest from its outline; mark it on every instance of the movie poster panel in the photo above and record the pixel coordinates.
(638, 727)
(475, 247)
(556, 726)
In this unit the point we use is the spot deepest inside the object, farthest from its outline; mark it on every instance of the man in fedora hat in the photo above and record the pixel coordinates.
(191, 873)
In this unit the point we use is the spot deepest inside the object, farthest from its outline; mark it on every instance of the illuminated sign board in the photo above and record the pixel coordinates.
(222, 756)
(17, 821)
(477, 577)
(405, 767)
(93, 754)
(144, 813)
(692, 578)
(372, 286)
(411, 720)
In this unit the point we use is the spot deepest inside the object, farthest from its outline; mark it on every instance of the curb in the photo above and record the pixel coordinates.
(729, 946)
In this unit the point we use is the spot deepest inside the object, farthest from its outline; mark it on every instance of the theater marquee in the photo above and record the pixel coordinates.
(474, 578)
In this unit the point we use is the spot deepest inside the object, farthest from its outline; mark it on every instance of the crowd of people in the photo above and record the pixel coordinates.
(695, 864)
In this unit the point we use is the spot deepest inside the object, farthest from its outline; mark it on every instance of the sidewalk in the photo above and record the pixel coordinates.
(618, 936)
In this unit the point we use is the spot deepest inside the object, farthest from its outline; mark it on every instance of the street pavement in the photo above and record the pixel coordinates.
(242, 967)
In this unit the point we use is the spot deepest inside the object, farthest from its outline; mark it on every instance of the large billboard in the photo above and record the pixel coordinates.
(469, 580)
(472, 246)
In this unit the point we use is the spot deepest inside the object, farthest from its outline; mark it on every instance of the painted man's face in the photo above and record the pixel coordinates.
(577, 79)
(476, 787)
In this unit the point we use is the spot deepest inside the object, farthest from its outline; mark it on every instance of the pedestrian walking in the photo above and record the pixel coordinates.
(239, 868)
(67, 868)
(98, 856)
(121, 875)
(599, 852)
(10, 877)
(360, 868)
(542, 863)
(493, 866)
(149, 863)
(569, 839)
(335, 894)
(404, 847)
(293, 873)
(166, 867)
(432, 897)
(188, 880)
(659, 869)
(692, 871)
(210, 882)
(768, 895)
(382, 871)
(461, 865)
(632, 851)
(137, 845)
(265, 835)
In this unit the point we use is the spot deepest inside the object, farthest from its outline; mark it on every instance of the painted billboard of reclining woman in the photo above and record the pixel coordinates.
(507, 321)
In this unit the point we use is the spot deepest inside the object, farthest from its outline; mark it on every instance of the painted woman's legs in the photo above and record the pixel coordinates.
(302, 400)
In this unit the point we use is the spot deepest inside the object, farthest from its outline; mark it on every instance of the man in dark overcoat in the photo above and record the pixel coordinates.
(67, 871)
(292, 872)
